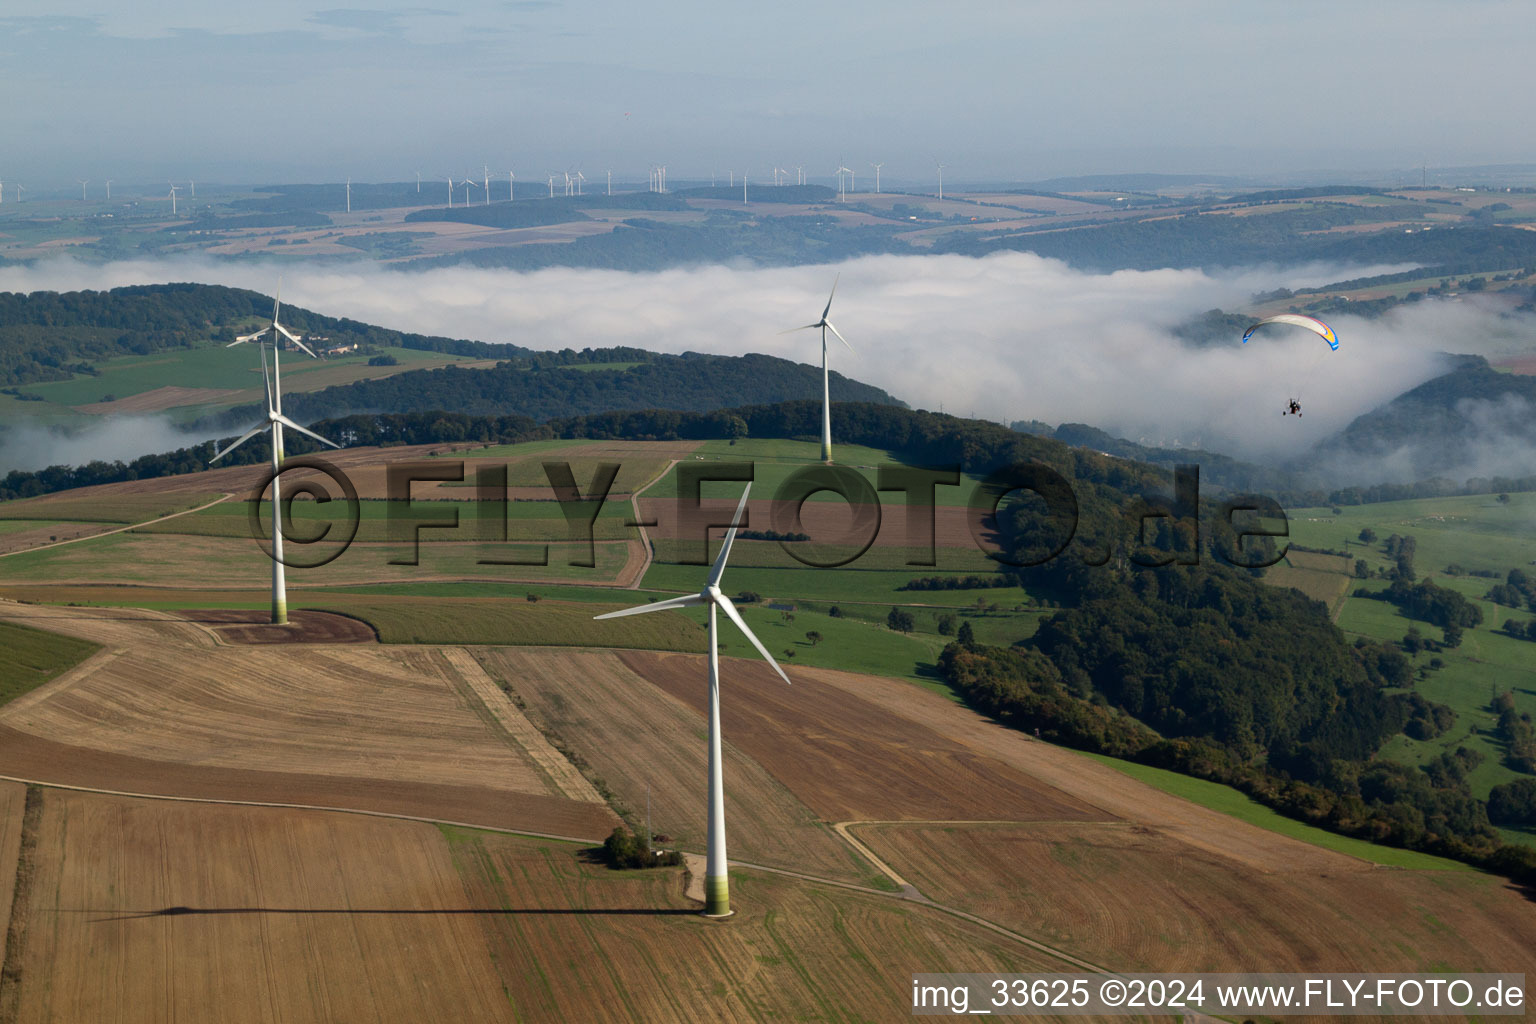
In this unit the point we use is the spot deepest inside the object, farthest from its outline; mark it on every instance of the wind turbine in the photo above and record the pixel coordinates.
(877, 176)
(551, 186)
(468, 183)
(275, 421)
(173, 202)
(941, 184)
(193, 186)
(109, 188)
(450, 191)
(82, 189)
(581, 179)
(717, 899)
(20, 188)
(511, 187)
(610, 182)
(486, 171)
(349, 197)
(418, 182)
(826, 389)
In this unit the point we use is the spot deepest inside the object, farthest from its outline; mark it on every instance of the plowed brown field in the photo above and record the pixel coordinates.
(637, 739)
(848, 757)
(1135, 898)
(151, 911)
(587, 944)
(12, 796)
(168, 709)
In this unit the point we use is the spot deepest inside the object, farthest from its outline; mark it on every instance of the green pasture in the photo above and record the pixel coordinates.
(1485, 664)
(1475, 532)
(30, 657)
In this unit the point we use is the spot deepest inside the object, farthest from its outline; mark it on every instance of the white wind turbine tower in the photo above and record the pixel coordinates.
(173, 200)
(486, 171)
(511, 187)
(349, 199)
(610, 181)
(418, 182)
(551, 186)
(450, 191)
(581, 179)
(82, 189)
(468, 184)
(877, 176)
(192, 187)
(275, 421)
(717, 899)
(941, 184)
(109, 188)
(826, 387)
(799, 174)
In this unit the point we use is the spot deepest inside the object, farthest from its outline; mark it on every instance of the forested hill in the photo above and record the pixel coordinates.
(687, 383)
(51, 335)
(1465, 419)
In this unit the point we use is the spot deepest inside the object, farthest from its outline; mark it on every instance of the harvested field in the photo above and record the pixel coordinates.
(35, 535)
(636, 950)
(1331, 588)
(165, 398)
(169, 710)
(634, 738)
(1135, 898)
(304, 627)
(146, 559)
(149, 910)
(1109, 794)
(850, 758)
(12, 796)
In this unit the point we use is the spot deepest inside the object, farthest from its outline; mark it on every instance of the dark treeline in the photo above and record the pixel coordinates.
(544, 386)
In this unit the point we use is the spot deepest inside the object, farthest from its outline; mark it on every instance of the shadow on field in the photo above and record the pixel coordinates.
(510, 911)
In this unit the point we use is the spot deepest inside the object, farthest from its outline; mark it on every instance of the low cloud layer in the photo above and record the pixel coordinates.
(1005, 337)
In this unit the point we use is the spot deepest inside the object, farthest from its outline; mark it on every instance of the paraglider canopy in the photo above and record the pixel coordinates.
(1312, 324)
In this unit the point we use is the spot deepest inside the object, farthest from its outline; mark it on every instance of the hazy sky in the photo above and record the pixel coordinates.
(290, 90)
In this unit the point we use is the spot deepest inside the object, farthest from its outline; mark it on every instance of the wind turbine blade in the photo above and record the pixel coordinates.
(266, 380)
(248, 337)
(285, 421)
(730, 538)
(807, 327)
(735, 616)
(657, 606)
(839, 336)
(295, 339)
(242, 439)
(834, 292)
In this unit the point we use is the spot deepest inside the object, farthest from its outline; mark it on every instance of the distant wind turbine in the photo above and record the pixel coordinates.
(82, 189)
(109, 188)
(826, 387)
(486, 171)
(450, 191)
(173, 200)
(468, 184)
(511, 187)
(941, 184)
(877, 176)
(717, 897)
(418, 182)
(349, 195)
(274, 422)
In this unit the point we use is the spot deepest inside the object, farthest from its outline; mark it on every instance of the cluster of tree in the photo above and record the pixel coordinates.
(1514, 728)
(900, 620)
(958, 582)
(790, 537)
(1432, 487)
(1518, 590)
(624, 849)
(1513, 803)
(1427, 602)
(1426, 718)
(1520, 630)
